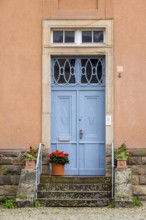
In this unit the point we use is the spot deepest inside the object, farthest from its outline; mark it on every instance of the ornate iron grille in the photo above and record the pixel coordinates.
(78, 71)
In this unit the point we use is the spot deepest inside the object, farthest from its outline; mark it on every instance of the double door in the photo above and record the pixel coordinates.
(78, 128)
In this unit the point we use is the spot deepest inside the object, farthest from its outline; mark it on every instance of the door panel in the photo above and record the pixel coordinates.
(63, 115)
(92, 119)
(92, 115)
(63, 127)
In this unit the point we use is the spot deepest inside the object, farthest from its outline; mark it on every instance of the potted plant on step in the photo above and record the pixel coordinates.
(121, 155)
(30, 158)
(58, 159)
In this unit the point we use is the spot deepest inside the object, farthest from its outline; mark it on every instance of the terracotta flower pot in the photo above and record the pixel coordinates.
(30, 164)
(57, 169)
(122, 164)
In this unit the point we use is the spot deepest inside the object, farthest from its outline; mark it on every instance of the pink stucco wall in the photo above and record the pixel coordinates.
(130, 90)
(20, 73)
(20, 66)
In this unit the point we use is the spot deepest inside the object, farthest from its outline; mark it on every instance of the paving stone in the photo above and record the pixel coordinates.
(81, 213)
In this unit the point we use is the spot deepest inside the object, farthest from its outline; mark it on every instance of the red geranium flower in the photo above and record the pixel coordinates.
(59, 157)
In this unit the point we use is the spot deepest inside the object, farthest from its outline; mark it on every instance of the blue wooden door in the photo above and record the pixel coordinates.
(91, 133)
(78, 121)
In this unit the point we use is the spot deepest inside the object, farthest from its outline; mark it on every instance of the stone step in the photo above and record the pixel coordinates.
(101, 202)
(75, 179)
(74, 195)
(75, 187)
(74, 191)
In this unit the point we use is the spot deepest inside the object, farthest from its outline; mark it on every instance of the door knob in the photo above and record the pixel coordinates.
(81, 133)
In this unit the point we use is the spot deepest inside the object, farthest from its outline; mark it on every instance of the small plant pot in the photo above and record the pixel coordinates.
(30, 164)
(122, 164)
(57, 169)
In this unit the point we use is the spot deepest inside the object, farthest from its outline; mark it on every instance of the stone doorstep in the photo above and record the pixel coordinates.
(74, 194)
(75, 179)
(101, 202)
(75, 186)
(74, 191)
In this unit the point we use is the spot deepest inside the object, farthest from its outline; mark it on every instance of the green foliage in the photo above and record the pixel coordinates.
(59, 157)
(112, 204)
(9, 203)
(121, 152)
(22, 197)
(37, 203)
(121, 196)
(2, 200)
(31, 154)
(136, 202)
(4, 170)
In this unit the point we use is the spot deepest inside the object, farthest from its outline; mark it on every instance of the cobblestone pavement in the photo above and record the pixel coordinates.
(74, 213)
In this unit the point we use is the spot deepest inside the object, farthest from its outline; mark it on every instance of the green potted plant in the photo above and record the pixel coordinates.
(30, 158)
(121, 155)
(58, 159)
